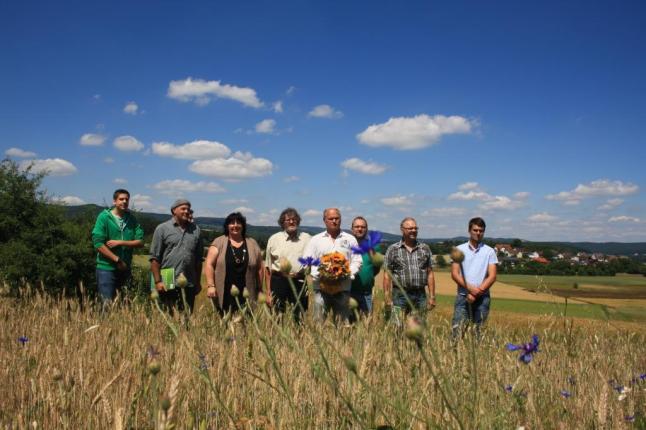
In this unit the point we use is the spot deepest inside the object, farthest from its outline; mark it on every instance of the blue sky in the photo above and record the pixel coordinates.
(530, 115)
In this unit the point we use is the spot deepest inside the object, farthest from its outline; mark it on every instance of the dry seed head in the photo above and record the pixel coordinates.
(352, 303)
(350, 363)
(284, 265)
(235, 292)
(181, 281)
(165, 403)
(57, 376)
(377, 259)
(414, 329)
(154, 367)
(456, 255)
(262, 298)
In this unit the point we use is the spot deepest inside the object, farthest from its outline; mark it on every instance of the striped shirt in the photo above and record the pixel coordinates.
(409, 268)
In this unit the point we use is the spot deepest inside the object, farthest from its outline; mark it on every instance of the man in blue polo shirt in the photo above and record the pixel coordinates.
(474, 277)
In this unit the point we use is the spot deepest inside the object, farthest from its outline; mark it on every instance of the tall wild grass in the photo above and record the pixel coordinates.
(65, 365)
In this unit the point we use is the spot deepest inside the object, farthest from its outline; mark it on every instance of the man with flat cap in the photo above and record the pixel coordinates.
(176, 258)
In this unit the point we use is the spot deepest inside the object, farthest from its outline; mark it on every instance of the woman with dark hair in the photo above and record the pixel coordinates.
(233, 259)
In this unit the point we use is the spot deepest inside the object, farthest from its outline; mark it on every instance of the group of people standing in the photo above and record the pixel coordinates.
(236, 271)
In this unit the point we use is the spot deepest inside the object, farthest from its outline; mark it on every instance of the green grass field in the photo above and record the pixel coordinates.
(567, 282)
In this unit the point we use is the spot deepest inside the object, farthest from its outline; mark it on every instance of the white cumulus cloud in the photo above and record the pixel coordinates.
(142, 201)
(131, 108)
(469, 186)
(234, 202)
(311, 213)
(277, 106)
(50, 166)
(266, 126)
(397, 201)
(623, 218)
(201, 92)
(92, 139)
(598, 188)
(179, 186)
(415, 132)
(127, 144)
(291, 179)
(19, 153)
(611, 204)
(366, 167)
(239, 166)
(119, 181)
(501, 202)
(243, 210)
(325, 111)
(70, 200)
(471, 191)
(196, 150)
(444, 212)
(542, 217)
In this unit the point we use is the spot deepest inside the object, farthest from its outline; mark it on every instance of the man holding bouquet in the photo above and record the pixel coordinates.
(338, 265)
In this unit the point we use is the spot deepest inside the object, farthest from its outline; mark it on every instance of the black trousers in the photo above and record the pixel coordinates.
(283, 293)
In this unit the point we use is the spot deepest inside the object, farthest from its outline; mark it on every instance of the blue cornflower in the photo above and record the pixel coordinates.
(373, 238)
(509, 388)
(152, 352)
(23, 340)
(619, 388)
(527, 349)
(642, 376)
(566, 394)
(630, 418)
(309, 261)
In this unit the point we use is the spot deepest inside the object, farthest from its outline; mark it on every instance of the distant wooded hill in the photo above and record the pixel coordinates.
(261, 233)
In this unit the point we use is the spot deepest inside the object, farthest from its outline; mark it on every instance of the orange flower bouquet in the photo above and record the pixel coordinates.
(333, 269)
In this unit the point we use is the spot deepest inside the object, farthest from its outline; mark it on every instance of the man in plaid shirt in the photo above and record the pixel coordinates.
(409, 268)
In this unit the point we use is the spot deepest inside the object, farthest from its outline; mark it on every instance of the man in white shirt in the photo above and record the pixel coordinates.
(287, 246)
(474, 277)
(331, 240)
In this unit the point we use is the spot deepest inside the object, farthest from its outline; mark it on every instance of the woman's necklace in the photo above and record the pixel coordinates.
(238, 258)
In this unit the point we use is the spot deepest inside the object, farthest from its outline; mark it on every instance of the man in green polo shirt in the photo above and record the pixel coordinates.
(115, 233)
(364, 281)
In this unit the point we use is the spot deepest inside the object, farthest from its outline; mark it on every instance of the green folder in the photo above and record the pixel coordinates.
(167, 277)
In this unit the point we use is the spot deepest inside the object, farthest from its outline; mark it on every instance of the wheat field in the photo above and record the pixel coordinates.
(66, 364)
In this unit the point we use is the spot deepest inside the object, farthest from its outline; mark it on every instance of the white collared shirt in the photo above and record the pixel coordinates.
(323, 243)
(476, 263)
(281, 245)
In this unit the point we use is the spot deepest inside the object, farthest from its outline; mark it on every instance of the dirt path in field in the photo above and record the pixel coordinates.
(445, 286)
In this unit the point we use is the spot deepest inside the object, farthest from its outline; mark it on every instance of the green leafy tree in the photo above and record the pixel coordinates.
(37, 243)
(441, 261)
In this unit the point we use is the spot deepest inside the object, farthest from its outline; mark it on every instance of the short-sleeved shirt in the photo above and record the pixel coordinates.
(322, 244)
(476, 264)
(281, 245)
(178, 248)
(409, 268)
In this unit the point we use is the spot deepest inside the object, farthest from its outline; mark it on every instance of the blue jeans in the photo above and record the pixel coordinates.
(403, 304)
(338, 303)
(109, 281)
(364, 300)
(469, 313)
